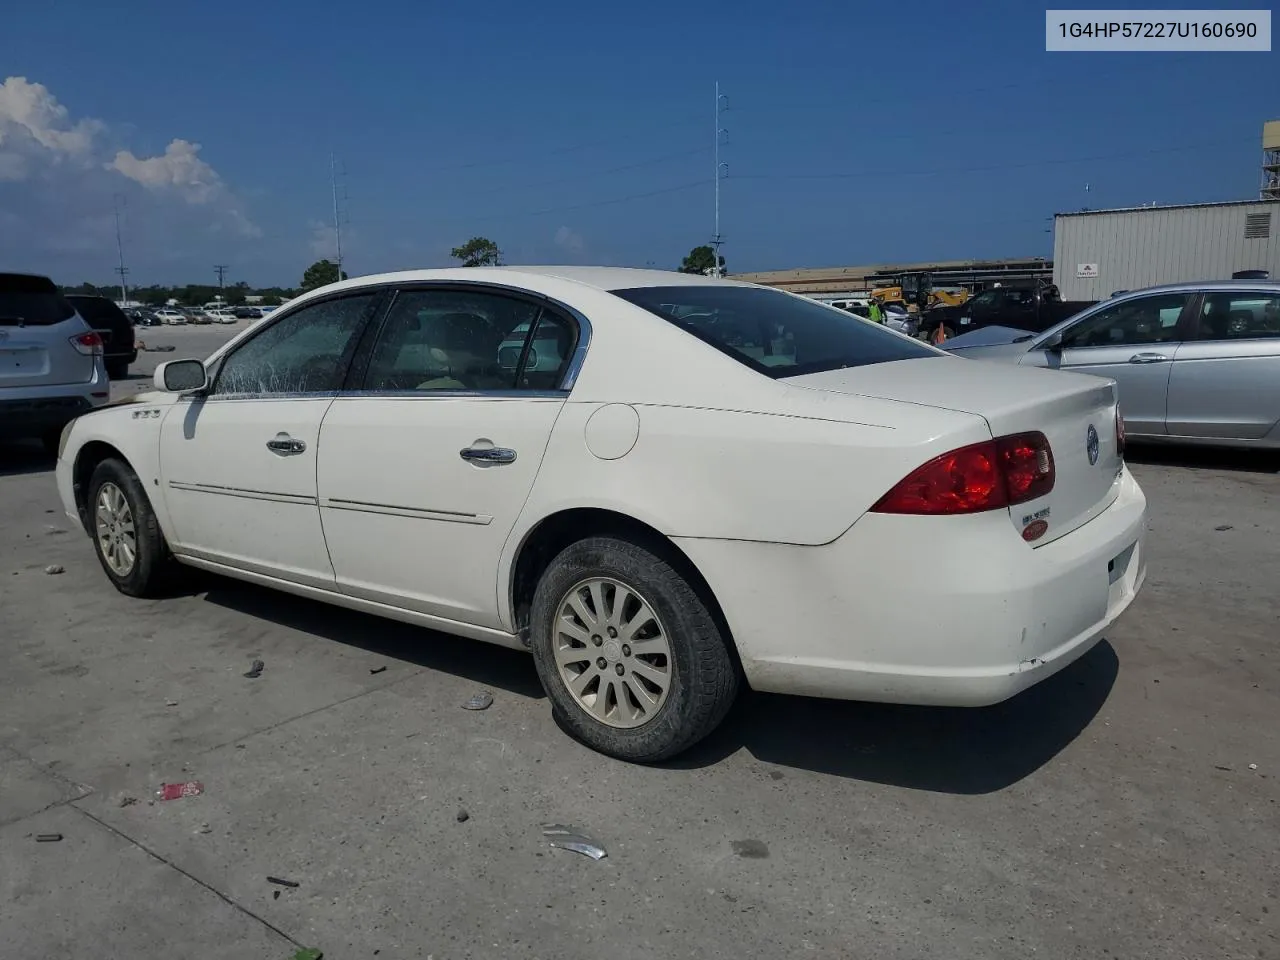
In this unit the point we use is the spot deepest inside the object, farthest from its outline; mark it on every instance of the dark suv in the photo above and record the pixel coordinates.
(116, 330)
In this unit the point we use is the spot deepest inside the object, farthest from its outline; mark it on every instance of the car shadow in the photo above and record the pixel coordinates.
(941, 750)
(485, 664)
(1204, 458)
(19, 457)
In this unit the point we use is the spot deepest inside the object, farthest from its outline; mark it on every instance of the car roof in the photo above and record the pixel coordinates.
(1202, 285)
(600, 278)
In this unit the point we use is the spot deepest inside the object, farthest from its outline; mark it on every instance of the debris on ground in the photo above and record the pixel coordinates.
(1225, 527)
(378, 670)
(143, 346)
(1253, 766)
(128, 801)
(275, 894)
(176, 791)
(54, 569)
(171, 703)
(51, 531)
(48, 837)
(463, 816)
(567, 838)
(281, 882)
(255, 671)
(481, 701)
(205, 828)
(310, 953)
(751, 849)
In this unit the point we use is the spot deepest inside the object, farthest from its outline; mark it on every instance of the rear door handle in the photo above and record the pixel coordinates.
(1148, 358)
(487, 455)
(285, 445)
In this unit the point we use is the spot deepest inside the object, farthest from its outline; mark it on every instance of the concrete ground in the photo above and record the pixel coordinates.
(1126, 808)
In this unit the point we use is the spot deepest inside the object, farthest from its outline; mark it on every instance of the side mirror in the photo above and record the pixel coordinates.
(1053, 344)
(180, 376)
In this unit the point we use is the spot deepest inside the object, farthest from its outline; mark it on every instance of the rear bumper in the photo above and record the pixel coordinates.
(34, 411)
(902, 610)
(35, 417)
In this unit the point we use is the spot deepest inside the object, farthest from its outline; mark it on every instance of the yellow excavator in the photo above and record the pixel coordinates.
(914, 292)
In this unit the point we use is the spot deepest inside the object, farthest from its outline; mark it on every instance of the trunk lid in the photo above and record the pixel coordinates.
(36, 327)
(1077, 414)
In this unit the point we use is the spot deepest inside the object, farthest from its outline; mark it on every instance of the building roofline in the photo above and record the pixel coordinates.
(1171, 206)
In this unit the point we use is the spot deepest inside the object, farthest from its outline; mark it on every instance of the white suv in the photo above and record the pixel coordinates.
(51, 366)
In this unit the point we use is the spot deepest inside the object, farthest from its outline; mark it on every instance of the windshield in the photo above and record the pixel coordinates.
(774, 333)
(28, 301)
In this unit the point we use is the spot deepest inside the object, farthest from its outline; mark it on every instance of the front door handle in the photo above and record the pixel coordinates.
(487, 455)
(285, 445)
(1148, 358)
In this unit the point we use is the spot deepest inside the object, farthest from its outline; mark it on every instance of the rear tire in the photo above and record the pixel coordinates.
(656, 695)
(126, 534)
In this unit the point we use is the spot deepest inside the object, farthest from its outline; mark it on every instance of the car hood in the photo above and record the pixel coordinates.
(987, 337)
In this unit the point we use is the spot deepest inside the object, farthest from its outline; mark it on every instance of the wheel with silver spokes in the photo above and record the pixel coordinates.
(126, 534)
(629, 650)
(613, 652)
(117, 536)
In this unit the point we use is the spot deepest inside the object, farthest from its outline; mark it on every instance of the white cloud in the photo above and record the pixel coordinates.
(28, 111)
(570, 240)
(61, 176)
(179, 169)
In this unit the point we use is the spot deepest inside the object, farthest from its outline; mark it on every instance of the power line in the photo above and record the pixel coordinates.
(221, 270)
(1021, 165)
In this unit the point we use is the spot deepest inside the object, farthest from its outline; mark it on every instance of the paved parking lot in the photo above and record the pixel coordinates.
(1125, 808)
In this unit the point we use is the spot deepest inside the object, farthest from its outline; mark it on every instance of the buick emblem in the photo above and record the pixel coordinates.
(1091, 445)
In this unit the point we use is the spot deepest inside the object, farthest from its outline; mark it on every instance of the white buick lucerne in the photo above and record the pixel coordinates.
(662, 485)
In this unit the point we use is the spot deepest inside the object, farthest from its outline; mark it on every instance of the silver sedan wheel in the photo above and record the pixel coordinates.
(612, 652)
(117, 538)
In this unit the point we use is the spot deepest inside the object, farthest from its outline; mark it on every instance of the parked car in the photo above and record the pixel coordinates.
(169, 315)
(1031, 307)
(246, 313)
(221, 316)
(715, 483)
(1195, 362)
(116, 330)
(51, 367)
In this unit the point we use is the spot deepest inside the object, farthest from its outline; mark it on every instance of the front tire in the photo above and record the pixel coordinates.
(632, 659)
(126, 534)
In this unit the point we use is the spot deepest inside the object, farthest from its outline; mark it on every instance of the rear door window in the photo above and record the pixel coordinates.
(28, 301)
(1239, 316)
(774, 333)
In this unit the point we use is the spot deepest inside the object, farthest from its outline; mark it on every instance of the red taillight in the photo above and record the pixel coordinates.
(1119, 432)
(90, 344)
(984, 476)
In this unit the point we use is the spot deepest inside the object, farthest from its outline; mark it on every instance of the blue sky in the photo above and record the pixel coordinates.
(583, 132)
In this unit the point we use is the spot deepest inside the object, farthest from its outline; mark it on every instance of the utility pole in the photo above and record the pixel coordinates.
(722, 104)
(122, 269)
(337, 222)
(221, 270)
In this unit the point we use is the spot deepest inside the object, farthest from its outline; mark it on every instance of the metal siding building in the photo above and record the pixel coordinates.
(1098, 252)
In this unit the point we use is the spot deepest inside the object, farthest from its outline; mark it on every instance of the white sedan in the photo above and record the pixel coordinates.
(663, 485)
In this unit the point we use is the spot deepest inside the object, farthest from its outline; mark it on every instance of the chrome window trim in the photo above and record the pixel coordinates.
(567, 382)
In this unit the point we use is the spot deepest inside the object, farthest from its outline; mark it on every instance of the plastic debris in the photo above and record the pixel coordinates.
(378, 670)
(1253, 766)
(171, 703)
(48, 837)
(281, 882)
(54, 569)
(255, 671)
(128, 801)
(480, 701)
(275, 894)
(463, 816)
(176, 791)
(1225, 527)
(309, 953)
(567, 838)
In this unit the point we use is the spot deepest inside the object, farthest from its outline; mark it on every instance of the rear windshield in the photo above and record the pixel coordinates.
(99, 311)
(31, 302)
(772, 332)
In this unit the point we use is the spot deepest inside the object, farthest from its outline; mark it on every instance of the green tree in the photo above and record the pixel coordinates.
(320, 273)
(701, 260)
(478, 252)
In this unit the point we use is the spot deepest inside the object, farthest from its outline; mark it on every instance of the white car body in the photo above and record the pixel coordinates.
(765, 485)
(170, 316)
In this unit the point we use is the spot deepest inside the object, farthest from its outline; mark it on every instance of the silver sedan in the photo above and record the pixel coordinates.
(1195, 362)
